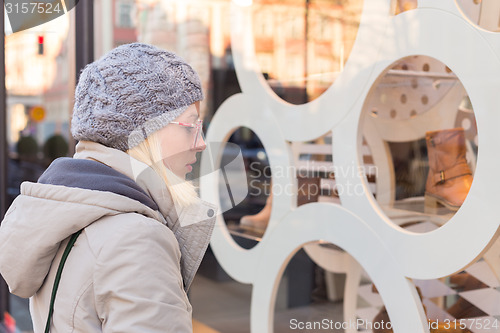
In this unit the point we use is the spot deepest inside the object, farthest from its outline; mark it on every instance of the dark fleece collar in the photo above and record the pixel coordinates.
(93, 175)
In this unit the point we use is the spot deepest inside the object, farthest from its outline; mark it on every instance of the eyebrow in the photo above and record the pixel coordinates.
(193, 116)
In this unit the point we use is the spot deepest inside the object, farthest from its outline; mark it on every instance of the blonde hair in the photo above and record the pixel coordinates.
(149, 152)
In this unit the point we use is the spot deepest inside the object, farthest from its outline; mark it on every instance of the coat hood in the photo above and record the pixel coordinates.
(73, 193)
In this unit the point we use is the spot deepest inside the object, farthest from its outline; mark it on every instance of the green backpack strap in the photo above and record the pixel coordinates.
(58, 278)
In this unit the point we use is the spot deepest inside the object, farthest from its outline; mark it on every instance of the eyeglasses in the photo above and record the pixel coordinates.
(195, 130)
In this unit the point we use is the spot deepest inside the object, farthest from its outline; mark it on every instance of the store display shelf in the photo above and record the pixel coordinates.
(311, 167)
(433, 75)
(413, 210)
(401, 212)
(235, 229)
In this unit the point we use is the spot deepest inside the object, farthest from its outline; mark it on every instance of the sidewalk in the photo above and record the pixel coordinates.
(218, 307)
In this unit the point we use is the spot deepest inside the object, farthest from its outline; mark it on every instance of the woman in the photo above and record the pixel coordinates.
(144, 230)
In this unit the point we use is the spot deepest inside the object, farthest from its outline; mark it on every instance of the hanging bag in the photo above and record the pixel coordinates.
(58, 278)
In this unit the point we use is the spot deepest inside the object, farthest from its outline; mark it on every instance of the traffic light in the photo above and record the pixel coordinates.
(40, 45)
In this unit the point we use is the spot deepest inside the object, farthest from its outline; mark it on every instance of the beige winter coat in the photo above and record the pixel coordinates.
(132, 264)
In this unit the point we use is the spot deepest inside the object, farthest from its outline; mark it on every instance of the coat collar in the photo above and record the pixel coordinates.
(192, 226)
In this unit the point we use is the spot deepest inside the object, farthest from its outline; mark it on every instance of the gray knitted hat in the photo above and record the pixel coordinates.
(132, 91)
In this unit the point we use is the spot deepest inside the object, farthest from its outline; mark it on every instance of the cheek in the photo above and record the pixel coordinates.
(176, 151)
(177, 164)
(172, 146)
(175, 158)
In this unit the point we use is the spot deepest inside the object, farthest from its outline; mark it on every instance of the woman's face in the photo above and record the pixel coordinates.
(177, 142)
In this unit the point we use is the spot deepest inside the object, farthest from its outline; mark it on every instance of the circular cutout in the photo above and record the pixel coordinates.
(302, 47)
(427, 142)
(315, 290)
(292, 235)
(247, 221)
(484, 13)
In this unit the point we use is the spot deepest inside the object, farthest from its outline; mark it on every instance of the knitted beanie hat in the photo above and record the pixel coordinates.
(131, 92)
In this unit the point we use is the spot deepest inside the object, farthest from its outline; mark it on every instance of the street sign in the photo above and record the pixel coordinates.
(37, 113)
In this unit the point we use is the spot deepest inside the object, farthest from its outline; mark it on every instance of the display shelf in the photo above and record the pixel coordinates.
(235, 229)
(330, 246)
(413, 210)
(402, 211)
(433, 75)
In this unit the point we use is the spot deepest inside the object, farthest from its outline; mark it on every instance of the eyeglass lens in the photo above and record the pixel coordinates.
(198, 138)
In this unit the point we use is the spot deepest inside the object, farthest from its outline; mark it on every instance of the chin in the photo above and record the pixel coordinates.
(181, 175)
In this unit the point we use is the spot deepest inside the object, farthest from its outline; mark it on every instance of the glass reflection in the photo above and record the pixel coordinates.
(401, 6)
(484, 13)
(249, 219)
(302, 46)
(419, 116)
(460, 298)
(39, 78)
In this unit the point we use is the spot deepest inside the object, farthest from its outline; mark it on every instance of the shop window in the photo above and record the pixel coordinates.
(199, 13)
(323, 27)
(247, 221)
(124, 18)
(324, 65)
(264, 25)
(38, 103)
(304, 33)
(314, 171)
(266, 62)
(461, 297)
(309, 298)
(421, 130)
(295, 26)
(295, 69)
(484, 13)
(400, 6)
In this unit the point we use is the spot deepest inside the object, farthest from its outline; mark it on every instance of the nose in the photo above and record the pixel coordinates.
(200, 143)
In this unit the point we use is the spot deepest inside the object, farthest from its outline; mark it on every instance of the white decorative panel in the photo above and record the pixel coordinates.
(389, 254)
